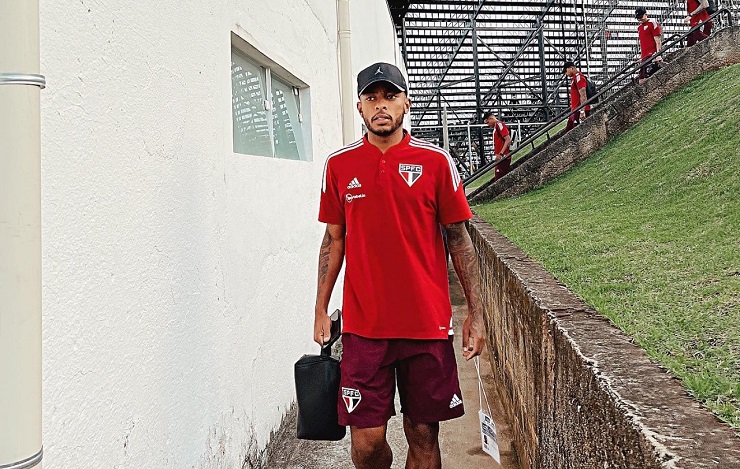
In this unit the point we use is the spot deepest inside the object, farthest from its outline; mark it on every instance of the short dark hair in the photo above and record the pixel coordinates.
(486, 115)
(567, 65)
(640, 12)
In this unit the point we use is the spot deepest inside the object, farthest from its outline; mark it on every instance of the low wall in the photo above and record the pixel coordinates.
(579, 393)
(610, 119)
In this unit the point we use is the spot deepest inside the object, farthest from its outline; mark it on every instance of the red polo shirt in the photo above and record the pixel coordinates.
(578, 83)
(647, 32)
(703, 15)
(500, 132)
(392, 204)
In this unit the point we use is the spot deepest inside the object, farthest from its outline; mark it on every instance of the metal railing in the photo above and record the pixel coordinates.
(606, 90)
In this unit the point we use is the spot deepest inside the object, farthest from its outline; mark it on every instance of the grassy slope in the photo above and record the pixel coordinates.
(648, 232)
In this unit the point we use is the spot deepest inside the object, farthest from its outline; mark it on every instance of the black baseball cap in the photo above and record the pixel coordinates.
(380, 71)
(567, 65)
(639, 12)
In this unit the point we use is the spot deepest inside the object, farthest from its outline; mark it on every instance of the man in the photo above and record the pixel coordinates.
(501, 144)
(649, 32)
(697, 13)
(383, 199)
(578, 94)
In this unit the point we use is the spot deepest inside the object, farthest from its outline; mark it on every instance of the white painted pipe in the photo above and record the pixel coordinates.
(346, 83)
(20, 236)
(445, 129)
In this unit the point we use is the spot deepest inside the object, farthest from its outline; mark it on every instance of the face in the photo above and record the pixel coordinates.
(570, 71)
(382, 107)
(643, 18)
(490, 121)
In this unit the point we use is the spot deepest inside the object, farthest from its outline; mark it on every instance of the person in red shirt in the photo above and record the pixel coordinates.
(501, 144)
(650, 33)
(383, 199)
(697, 13)
(578, 95)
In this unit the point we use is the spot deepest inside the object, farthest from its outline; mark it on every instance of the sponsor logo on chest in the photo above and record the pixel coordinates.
(410, 172)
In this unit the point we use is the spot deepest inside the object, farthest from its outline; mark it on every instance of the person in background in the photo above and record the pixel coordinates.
(578, 95)
(649, 32)
(697, 13)
(501, 144)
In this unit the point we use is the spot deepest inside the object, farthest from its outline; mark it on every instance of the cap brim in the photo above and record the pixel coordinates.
(379, 79)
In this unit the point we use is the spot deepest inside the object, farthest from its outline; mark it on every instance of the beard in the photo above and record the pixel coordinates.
(396, 122)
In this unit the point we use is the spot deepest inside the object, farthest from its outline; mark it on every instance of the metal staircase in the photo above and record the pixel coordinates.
(465, 57)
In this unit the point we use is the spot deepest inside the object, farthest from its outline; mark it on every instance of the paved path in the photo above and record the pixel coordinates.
(459, 439)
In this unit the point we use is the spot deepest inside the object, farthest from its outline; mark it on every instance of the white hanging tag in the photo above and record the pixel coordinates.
(488, 436)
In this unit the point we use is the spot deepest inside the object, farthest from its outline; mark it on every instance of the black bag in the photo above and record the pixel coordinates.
(317, 391)
(713, 7)
(591, 91)
(652, 68)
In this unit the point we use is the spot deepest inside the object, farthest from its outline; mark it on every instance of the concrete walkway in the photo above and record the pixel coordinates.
(459, 439)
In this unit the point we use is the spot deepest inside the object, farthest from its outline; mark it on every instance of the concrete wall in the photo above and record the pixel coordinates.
(178, 276)
(578, 392)
(620, 113)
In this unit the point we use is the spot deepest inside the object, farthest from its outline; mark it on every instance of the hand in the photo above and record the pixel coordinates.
(321, 328)
(583, 113)
(687, 20)
(473, 337)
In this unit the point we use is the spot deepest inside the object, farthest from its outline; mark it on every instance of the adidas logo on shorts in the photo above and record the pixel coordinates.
(354, 184)
(456, 401)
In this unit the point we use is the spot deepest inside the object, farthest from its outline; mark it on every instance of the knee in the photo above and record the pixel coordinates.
(368, 447)
(422, 436)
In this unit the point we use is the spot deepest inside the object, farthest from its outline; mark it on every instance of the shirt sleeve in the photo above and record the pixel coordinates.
(580, 81)
(503, 130)
(331, 208)
(452, 203)
(657, 31)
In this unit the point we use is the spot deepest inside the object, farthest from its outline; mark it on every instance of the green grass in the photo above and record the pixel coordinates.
(647, 231)
(489, 175)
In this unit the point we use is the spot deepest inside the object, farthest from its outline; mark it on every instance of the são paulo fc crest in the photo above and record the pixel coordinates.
(351, 397)
(410, 172)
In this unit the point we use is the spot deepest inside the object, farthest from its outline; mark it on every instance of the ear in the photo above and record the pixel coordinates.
(407, 106)
(359, 107)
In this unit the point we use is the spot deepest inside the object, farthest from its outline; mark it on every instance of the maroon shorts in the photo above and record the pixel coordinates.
(426, 372)
(700, 34)
(502, 168)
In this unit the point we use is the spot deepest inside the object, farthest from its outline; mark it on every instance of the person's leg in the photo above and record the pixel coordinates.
(693, 38)
(706, 30)
(643, 74)
(572, 122)
(430, 392)
(423, 439)
(370, 449)
(367, 389)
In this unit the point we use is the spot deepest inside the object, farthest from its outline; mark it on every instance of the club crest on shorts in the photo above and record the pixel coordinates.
(410, 172)
(351, 397)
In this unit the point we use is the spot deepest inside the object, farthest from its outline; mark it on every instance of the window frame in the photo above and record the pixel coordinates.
(301, 92)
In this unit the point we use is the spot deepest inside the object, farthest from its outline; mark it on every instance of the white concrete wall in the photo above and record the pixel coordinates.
(178, 277)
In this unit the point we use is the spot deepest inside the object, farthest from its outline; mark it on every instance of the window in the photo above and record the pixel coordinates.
(266, 111)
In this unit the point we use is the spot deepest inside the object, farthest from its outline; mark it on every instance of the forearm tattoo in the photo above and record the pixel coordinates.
(465, 261)
(324, 255)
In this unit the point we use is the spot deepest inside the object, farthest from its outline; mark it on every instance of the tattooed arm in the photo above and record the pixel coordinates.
(331, 258)
(465, 261)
